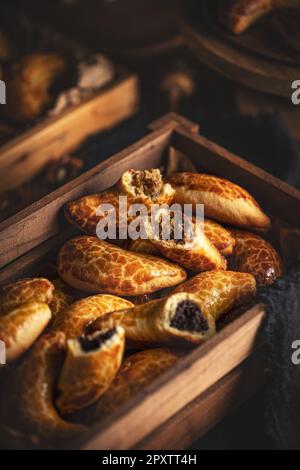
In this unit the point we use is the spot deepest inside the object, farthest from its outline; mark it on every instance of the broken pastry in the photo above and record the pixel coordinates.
(185, 244)
(252, 254)
(146, 187)
(137, 371)
(91, 365)
(91, 265)
(220, 291)
(73, 320)
(174, 319)
(29, 83)
(223, 200)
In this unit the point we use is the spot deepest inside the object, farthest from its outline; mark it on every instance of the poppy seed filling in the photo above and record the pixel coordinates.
(188, 317)
(92, 342)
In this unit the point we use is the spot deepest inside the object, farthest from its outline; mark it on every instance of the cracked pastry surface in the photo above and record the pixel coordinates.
(173, 319)
(252, 254)
(223, 200)
(92, 265)
(220, 291)
(25, 290)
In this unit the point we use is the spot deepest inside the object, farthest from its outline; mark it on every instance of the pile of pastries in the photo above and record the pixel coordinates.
(238, 15)
(123, 311)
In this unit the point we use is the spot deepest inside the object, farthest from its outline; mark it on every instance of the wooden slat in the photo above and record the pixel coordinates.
(209, 408)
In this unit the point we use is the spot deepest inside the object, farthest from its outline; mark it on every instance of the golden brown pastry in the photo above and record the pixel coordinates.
(36, 380)
(239, 15)
(137, 371)
(143, 246)
(21, 326)
(29, 84)
(25, 290)
(219, 236)
(84, 212)
(174, 319)
(192, 250)
(73, 320)
(146, 187)
(91, 265)
(252, 254)
(60, 299)
(91, 365)
(223, 201)
(220, 291)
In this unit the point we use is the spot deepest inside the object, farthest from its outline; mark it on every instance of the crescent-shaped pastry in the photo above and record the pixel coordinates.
(36, 381)
(195, 252)
(223, 201)
(23, 291)
(252, 254)
(84, 212)
(137, 371)
(173, 319)
(91, 365)
(144, 246)
(239, 15)
(146, 187)
(91, 265)
(220, 291)
(73, 320)
(21, 326)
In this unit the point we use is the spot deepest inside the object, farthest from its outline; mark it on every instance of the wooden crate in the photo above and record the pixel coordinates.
(191, 397)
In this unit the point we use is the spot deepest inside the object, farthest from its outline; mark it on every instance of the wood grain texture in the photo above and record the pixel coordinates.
(23, 157)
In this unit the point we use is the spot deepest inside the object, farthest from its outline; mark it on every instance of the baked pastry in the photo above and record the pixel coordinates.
(91, 265)
(21, 326)
(174, 319)
(84, 212)
(141, 245)
(219, 236)
(223, 201)
(73, 320)
(138, 371)
(60, 299)
(29, 83)
(34, 408)
(145, 187)
(185, 244)
(239, 15)
(252, 254)
(23, 291)
(91, 365)
(220, 291)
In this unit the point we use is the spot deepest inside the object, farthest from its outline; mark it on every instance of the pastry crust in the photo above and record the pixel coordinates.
(146, 187)
(60, 299)
(29, 83)
(223, 200)
(137, 372)
(219, 236)
(196, 253)
(175, 319)
(73, 320)
(23, 291)
(91, 265)
(21, 326)
(220, 291)
(36, 379)
(86, 375)
(252, 254)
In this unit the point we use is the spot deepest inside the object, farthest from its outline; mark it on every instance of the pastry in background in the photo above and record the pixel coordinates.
(29, 84)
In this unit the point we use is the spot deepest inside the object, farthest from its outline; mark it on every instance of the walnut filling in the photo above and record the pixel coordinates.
(94, 341)
(188, 317)
(177, 233)
(147, 183)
